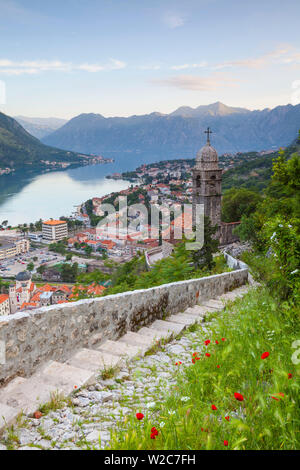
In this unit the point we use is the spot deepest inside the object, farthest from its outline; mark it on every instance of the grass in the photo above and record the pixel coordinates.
(57, 401)
(266, 418)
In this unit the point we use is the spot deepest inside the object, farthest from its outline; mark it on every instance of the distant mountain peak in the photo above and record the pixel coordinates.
(213, 109)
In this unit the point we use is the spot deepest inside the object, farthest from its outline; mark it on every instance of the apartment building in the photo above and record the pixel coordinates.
(55, 230)
(11, 246)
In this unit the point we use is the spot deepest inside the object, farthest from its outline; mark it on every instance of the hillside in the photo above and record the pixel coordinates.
(18, 148)
(40, 127)
(178, 134)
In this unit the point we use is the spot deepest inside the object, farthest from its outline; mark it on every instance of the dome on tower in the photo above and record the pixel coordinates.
(207, 154)
(23, 276)
(207, 157)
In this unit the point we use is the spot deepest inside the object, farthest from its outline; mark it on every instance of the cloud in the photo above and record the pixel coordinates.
(9, 67)
(174, 20)
(189, 66)
(196, 83)
(281, 55)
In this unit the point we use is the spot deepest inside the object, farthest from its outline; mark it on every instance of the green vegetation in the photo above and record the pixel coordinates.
(18, 148)
(237, 202)
(267, 417)
(274, 230)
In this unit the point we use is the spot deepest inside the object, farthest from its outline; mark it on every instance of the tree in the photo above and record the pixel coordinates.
(69, 272)
(30, 266)
(88, 250)
(238, 202)
(203, 259)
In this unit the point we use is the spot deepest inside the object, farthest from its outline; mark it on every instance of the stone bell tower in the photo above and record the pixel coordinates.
(207, 182)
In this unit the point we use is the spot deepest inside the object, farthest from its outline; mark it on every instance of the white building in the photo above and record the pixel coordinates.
(55, 230)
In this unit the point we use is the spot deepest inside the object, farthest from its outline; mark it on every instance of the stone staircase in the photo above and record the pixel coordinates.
(25, 395)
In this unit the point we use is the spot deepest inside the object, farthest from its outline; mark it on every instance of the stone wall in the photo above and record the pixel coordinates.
(54, 333)
(225, 233)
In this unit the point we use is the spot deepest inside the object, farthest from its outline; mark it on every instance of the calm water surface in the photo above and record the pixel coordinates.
(28, 197)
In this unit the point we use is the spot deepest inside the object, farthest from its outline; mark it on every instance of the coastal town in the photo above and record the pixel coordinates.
(40, 263)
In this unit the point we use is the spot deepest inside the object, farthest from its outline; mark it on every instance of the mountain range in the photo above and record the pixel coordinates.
(179, 134)
(40, 127)
(19, 149)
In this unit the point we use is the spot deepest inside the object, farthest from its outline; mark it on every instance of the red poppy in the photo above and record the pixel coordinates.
(223, 339)
(207, 342)
(195, 354)
(274, 398)
(227, 418)
(153, 436)
(202, 429)
(218, 366)
(217, 342)
(281, 394)
(265, 355)
(37, 415)
(75, 386)
(290, 376)
(139, 416)
(193, 360)
(207, 354)
(225, 443)
(154, 431)
(213, 407)
(197, 358)
(239, 396)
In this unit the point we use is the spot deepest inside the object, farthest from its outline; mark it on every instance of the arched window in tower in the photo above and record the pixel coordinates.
(198, 182)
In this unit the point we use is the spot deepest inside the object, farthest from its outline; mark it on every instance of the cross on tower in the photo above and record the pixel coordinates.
(208, 131)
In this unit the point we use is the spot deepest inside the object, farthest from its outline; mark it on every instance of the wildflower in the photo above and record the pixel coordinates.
(223, 339)
(162, 424)
(217, 342)
(185, 398)
(154, 431)
(75, 386)
(153, 436)
(227, 418)
(207, 354)
(290, 376)
(37, 415)
(265, 355)
(139, 416)
(218, 367)
(295, 271)
(213, 407)
(225, 443)
(206, 342)
(274, 398)
(238, 396)
(195, 354)
(171, 412)
(151, 404)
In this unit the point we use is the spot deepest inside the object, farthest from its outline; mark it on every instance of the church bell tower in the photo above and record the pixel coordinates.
(207, 182)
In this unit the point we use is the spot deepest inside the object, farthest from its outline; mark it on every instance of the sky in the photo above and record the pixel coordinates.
(125, 57)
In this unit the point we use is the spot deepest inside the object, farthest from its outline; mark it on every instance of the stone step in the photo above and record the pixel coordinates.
(137, 340)
(168, 327)
(197, 310)
(28, 395)
(65, 377)
(8, 416)
(213, 305)
(94, 361)
(155, 335)
(184, 319)
(120, 348)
